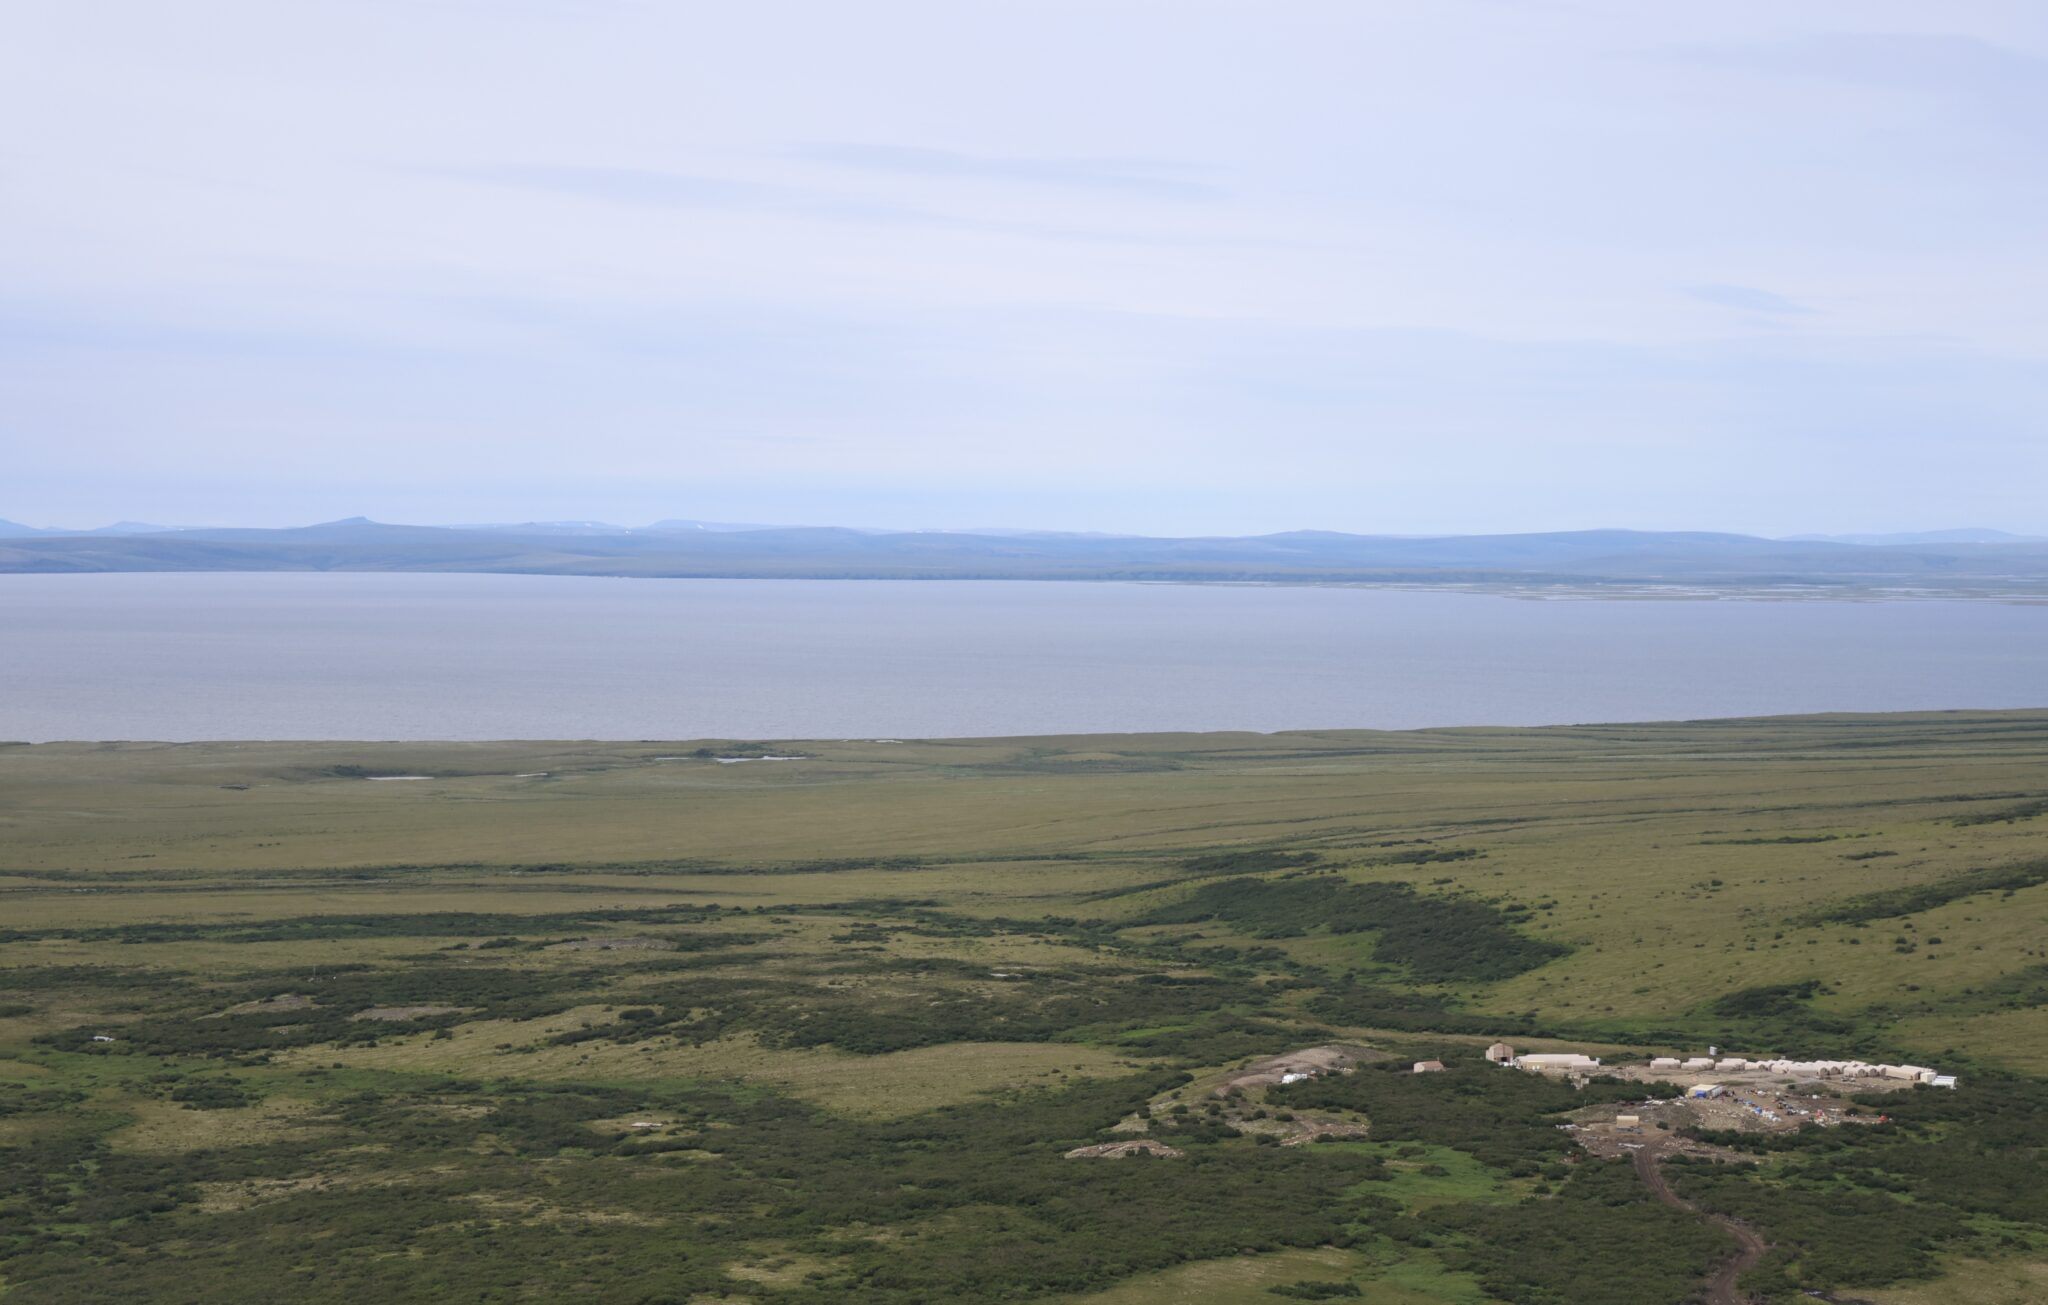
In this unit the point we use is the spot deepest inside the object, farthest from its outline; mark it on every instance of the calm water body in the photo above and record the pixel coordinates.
(312, 656)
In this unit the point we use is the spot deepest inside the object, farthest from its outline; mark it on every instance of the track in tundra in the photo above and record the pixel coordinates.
(1721, 1289)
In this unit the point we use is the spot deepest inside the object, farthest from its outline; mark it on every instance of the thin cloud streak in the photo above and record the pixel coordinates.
(1938, 63)
(648, 187)
(657, 189)
(1749, 299)
(1134, 176)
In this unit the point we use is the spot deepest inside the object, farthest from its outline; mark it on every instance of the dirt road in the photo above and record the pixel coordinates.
(1721, 1288)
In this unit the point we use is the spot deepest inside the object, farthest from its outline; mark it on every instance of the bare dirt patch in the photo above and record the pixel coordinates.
(1304, 1127)
(1118, 1150)
(644, 1124)
(534, 1211)
(1752, 1106)
(1310, 1062)
(1236, 1097)
(1600, 1130)
(282, 1001)
(777, 1268)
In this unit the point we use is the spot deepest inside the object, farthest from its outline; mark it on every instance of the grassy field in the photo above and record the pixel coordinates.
(625, 1021)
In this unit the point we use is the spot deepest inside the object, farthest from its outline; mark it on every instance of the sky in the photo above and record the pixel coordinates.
(1164, 266)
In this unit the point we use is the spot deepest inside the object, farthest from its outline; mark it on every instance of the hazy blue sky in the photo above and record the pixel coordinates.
(1164, 265)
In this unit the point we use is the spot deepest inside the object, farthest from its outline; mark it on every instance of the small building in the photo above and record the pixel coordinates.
(1731, 1063)
(1293, 1077)
(1943, 1081)
(1664, 1062)
(1700, 1062)
(1429, 1067)
(1628, 1121)
(1500, 1053)
(1557, 1060)
(1706, 1091)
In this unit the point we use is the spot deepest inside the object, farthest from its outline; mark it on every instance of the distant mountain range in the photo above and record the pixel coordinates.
(1969, 536)
(16, 530)
(1944, 559)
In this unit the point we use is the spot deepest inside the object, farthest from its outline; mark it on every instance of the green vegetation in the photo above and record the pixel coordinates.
(430, 924)
(659, 1030)
(999, 1211)
(1895, 902)
(1504, 1120)
(1437, 939)
(2006, 815)
(1600, 1240)
(1783, 1014)
(1861, 1207)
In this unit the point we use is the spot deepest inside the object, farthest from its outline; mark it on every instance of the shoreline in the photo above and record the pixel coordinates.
(1534, 588)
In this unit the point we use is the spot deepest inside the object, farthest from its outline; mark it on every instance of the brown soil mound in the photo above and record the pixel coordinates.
(1336, 1058)
(1117, 1150)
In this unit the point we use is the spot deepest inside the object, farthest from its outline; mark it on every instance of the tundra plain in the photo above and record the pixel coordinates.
(820, 1020)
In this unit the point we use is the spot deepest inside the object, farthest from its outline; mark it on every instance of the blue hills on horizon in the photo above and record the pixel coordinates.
(1962, 535)
(683, 548)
